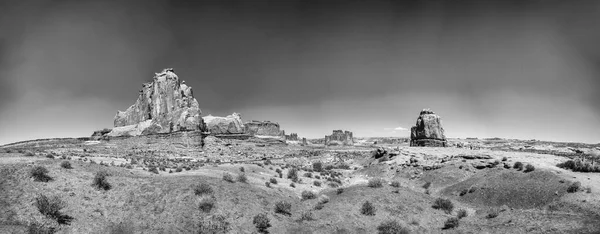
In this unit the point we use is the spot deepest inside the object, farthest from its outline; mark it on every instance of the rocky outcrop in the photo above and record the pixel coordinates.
(264, 128)
(292, 137)
(231, 124)
(339, 137)
(428, 130)
(100, 134)
(164, 105)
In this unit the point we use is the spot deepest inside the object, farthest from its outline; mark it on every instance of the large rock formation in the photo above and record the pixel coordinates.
(292, 137)
(339, 137)
(428, 130)
(164, 105)
(264, 128)
(231, 124)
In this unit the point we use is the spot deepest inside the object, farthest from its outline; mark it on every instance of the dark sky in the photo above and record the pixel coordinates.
(513, 69)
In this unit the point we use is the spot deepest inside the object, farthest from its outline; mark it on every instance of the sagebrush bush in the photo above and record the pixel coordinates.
(529, 168)
(574, 187)
(50, 156)
(518, 166)
(66, 165)
(242, 178)
(40, 173)
(273, 181)
(283, 207)
(306, 195)
(367, 208)
(461, 214)
(451, 223)
(203, 189)
(308, 175)
(242, 169)
(261, 222)
(339, 190)
(492, 214)
(427, 185)
(580, 165)
(317, 183)
(228, 177)
(49, 206)
(293, 174)
(376, 183)
(391, 227)
(100, 181)
(206, 204)
(307, 216)
(267, 184)
(318, 166)
(443, 204)
(395, 184)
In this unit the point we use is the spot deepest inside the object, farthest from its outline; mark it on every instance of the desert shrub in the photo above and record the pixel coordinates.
(153, 169)
(242, 178)
(202, 189)
(306, 195)
(463, 192)
(66, 165)
(179, 169)
(391, 227)
(427, 185)
(100, 181)
(214, 224)
(574, 187)
(339, 190)
(307, 216)
(451, 223)
(283, 207)
(395, 184)
(50, 156)
(529, 168)
(242, 169)
(308, 175)
(162, 168)
(29, 154)
(267, 184)
(292, 185)
(278, 171)
(492, 214)
(207, 204)
(129, 166)
(443, 204)
(367, 208)
(323, 199)
(318, 166)
(40, 173)
(461, 214)
(37, 228)
(375, 183)
(273, 181)
(228, 177)
(293, 174)
(317, 183)
(472, 189)
(49, 206)
(319, 206)
(328, 167)
(504, 159)
(518, 166)
(580, 165)
(261, 222)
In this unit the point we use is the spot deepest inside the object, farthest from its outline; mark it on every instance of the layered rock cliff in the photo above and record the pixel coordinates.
(264, 128)
(339, 137)
(428, 130)
(231, 124)
(164, 105)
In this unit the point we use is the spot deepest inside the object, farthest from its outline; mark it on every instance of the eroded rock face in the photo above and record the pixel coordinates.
(428, 130)
(231, 124)
(292, 137)
(164, 105)
(339, 137)
(263, 128)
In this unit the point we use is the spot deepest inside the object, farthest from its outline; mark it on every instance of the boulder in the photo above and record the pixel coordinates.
(164, 105)
(339, 137)
(264, 128)
(231, 124)
(428, 130)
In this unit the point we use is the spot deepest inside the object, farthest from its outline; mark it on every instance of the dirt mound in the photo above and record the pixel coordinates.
(515, 189)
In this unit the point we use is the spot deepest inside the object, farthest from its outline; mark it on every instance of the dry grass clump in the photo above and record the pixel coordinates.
(293, 174)
(307, 195)
(40, 173)
(443, 204)
(367, 208)
(228, 177)
(461, 214)
(451, 223)
(574, 187)
(242, 178)
(203, 189)
(262, 223)
(100, 181)
(66, 165)
(50, 207)
(207, 204)
(395, 184)
(283, 207)
(375, 183)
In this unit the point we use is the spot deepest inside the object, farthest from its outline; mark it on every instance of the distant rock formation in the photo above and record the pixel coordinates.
(164, 105)
(304, 142)
(339, 137)
(292, 137)
(264, 128)
(428, 130)
(231, 124)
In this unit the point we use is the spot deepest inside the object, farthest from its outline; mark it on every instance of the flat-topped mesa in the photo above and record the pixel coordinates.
(231, 124)
(339, 137)
(428, 130)
(164, 105)
(264, 128)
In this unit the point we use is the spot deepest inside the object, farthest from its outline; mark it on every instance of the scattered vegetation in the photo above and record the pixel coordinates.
(66, 165)
(283, 207)
(267, 184)
(307, 216)
(443, 204)
(376, 183)
(574, 187)
(306, 195)
(580, 165)
(323, 199)
(317, 183)
(242, 169)
(308, 175)
(207, 204)
(451, 223)
(391, 227)
(518, 166)
(228, 177)
(242, 178)
(293, 174)
(529, 168)
(214, 224)
(504, 159)
(492, 214)
(50, 207)
(100, 181)
(40, 173)
(367, 208)
(203, 189)
(273, 181)
(318, 166)
(461, 213)
(261, 222)
(339, 190)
